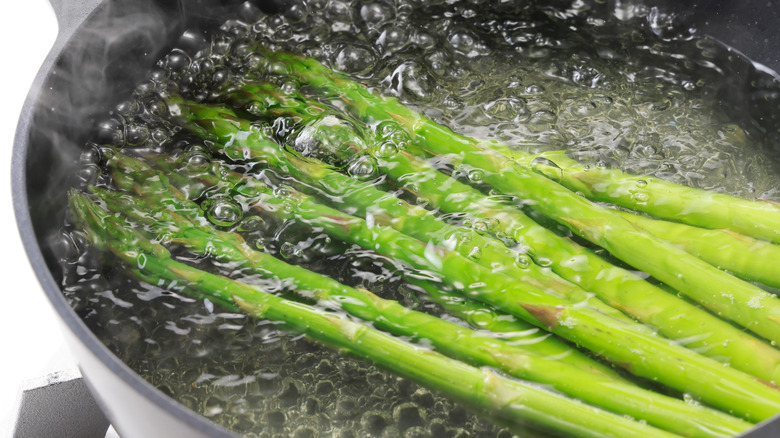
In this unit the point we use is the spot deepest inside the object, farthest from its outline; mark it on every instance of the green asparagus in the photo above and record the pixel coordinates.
(385, 209)
(745, 257)
(723, 294)
(477, 314)
(622, 289)
(660, 198)
(364, 200)
(481, 389)
(448, 338)
(663, 199)
(620, 342)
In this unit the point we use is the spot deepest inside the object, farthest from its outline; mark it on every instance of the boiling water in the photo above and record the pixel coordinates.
(588, 78)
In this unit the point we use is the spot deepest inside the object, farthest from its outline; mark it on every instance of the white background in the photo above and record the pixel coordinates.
(30, 339)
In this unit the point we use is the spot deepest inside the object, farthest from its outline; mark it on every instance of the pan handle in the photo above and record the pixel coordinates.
(71, 13)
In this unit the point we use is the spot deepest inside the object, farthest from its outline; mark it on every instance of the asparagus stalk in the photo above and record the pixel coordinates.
(447, 338)
(479, 315)
(623, 343)
(481, 389)
(663, 199)
(366, 201)
(380, 207)
(722, 293)
(132, 174)
(620, 288)
(656, 197)
(744, 256)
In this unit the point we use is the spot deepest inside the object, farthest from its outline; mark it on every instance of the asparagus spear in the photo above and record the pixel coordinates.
(674, 317)
(479, 315)
(132, 174)
(744, 256)
(663, 199)
(448, 338)
(623, 343)
(366, 201)
(481, 389)
(382, 208)
(722, 293)
(659, 198)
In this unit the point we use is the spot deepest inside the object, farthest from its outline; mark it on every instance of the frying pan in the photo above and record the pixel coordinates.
(104, 47)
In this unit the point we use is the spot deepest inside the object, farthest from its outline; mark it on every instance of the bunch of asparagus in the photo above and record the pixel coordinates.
(502, 276)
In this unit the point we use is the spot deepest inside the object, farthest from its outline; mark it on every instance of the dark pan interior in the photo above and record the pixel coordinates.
(114, 48)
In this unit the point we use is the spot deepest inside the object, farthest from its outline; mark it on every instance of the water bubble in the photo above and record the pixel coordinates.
(541, 120)
(127, 107)
(296, 12)
(219, 77)
(465, 42)
(476, 175)
(641, 183)
(291, 86)
(233, 28)
(339, 13)
(506, 239)
(376, 13)
(136, 134)
(481, 227)
(196, 158)
(204, 65)
(251, 224)
(288, 250)
(160, 135)
(110, 132)
(387, 128)
(68, 246)
(544, 262)
(423, 39)
(362, 166)
(534, 90)
(393, 38)
(507, 108)
(327, 138)
(640, 197)
(222, 212)
(387, 149)
(159, 75)
(177, 61)
(542, 161)
(156, 107)
(92, 155)
(352, 58)
(523, 261)
(584, 109)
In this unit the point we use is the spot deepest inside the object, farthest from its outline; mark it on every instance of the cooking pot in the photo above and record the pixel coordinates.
(105, 47)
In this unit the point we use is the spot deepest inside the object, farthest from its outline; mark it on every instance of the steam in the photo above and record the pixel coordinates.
(104, 61)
